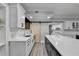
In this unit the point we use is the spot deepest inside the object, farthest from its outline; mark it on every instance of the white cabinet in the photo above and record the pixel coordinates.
(69, 25)
(21, 48)
(17, 16)
(21, 16)
(13, 15)
(17, 48)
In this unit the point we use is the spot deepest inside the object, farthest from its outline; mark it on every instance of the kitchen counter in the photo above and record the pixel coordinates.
(2, 44)
(20, 36)
(21, 45)
(66, 46)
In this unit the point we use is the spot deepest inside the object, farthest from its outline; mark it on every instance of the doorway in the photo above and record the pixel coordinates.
(40, 30)
(36, 30)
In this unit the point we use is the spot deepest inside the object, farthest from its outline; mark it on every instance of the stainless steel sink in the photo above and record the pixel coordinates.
(27, 35)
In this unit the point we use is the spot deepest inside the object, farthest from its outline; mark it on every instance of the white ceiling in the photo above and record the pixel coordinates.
(1, 6)
(56, 9)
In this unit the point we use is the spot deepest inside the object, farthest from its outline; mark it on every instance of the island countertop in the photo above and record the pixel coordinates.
(66, 46)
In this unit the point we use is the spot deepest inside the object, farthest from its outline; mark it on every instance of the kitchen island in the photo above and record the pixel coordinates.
(63, 45)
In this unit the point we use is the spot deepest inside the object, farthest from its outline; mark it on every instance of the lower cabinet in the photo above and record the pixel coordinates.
(17, 48)
(20, 48)
(3, 50)
(51, 49)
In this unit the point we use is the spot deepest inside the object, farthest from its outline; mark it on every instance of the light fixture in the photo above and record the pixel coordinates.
(23, 17)
(48, 17)
(30, 17)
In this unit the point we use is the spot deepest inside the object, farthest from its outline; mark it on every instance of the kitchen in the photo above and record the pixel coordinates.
(39, 29)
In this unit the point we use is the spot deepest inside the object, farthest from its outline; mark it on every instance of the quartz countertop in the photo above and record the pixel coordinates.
(2, 44)
(20, 37)
(66, 46)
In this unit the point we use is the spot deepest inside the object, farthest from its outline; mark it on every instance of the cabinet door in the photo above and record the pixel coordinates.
(2, 51)
(13, 17)
(21, 16)
(17, 48)
(68, 25)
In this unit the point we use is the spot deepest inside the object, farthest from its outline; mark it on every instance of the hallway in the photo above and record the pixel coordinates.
(39, 50)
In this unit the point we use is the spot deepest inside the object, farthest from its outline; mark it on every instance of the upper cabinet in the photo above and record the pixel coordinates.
(67, 25)
(21, 16)
(71, 25)
(17, 16)
(13, 15)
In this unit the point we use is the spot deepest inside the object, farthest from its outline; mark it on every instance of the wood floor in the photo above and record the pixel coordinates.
(39, 50)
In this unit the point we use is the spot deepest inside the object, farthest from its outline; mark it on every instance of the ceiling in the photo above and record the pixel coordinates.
(55, 9)
(1, 6)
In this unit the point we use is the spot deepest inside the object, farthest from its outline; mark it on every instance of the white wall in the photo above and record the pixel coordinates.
(44, 30)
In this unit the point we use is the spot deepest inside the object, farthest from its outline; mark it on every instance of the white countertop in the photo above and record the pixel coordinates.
(2, 44)
(66, 46)
(20, 37)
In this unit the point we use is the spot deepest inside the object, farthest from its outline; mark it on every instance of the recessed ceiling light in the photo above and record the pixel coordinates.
(30, 17)
(23, 17)
(48, 17)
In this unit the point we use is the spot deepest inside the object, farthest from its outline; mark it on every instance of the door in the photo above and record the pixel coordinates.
(36, 30)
